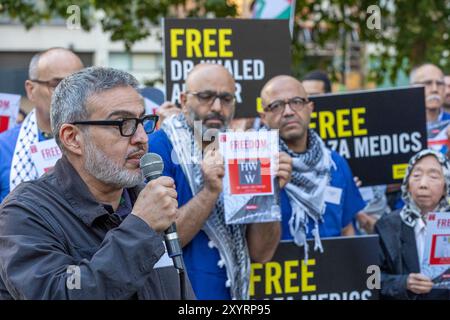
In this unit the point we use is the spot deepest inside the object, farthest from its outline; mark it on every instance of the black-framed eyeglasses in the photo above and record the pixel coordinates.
(127, 126)
(278, 106)
(208, 97)
(52, 83)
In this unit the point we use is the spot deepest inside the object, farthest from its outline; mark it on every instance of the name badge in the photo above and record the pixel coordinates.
(44, 155)
(333, 195)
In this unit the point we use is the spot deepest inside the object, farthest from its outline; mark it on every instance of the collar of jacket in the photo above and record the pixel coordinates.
(77, 193)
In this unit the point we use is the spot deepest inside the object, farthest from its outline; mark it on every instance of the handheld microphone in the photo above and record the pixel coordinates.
(152, 167)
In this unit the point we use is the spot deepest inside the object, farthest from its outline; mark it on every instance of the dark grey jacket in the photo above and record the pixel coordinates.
(53, 223)
(399, 258)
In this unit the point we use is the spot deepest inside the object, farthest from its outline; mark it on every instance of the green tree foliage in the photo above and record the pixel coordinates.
(412, 32)
(129, 21)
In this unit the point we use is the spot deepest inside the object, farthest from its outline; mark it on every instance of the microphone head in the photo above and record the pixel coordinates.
(152, 166)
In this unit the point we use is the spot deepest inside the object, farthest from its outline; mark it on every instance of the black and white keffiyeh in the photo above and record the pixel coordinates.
(410, 212)
(22, 165)
(228, 239)
(311, 174)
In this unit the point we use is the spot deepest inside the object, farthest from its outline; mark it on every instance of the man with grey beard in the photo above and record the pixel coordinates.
(432, 78)
(217, 255)
(90, 228)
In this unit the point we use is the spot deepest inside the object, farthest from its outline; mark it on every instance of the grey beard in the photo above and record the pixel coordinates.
(100, 166)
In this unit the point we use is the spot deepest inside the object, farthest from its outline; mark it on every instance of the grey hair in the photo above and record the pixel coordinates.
(412, 74)
(71, 95)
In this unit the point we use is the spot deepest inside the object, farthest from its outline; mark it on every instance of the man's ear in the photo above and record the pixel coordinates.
(29, 89)
(262, 115)
(183, 98)
(71, 138)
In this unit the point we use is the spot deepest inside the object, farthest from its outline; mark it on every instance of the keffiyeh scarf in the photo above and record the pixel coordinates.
(22, 166)
(410, 212)
(306, 190)
(228, 239)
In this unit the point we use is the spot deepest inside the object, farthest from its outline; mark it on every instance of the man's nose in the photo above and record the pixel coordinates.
(287, 112)
(140, 136)
(216, 105)
(434, 86)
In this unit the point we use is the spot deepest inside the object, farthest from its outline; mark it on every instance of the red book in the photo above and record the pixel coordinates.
(4, 122)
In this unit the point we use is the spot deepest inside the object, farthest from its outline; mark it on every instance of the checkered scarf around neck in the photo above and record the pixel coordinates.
(411, 213)
(228, 239)
(311, 174)
(22, 166)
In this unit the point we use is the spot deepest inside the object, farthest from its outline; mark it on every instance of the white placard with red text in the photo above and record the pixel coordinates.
(436, 262)
(9, 109)
(250, 193)
(249, 161)
(150, 106)
(44, 155)
(437, 136)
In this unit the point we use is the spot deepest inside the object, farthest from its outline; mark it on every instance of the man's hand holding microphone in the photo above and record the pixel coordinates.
(157, 205)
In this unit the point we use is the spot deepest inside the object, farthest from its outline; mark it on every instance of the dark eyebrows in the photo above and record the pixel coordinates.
(124, 113)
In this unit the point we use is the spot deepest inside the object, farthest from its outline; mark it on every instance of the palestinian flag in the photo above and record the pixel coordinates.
(273, 9)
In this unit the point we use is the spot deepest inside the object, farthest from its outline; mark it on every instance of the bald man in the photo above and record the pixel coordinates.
(321, 195)
(217, 255)
(46, 70)
(432, 78)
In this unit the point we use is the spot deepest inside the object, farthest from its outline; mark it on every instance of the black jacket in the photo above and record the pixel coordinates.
(51, 225)
(399, 258)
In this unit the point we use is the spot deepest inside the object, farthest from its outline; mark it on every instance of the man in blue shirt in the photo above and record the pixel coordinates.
(46, 70)
(321, 200)
(217, 255)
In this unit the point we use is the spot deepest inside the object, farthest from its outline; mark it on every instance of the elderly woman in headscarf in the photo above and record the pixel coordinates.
(425, 189)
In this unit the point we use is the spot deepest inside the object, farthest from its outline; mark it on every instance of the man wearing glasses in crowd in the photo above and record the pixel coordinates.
(321, 200)
(46, 70)
(217, 255)
(90, 228)
(432, 78)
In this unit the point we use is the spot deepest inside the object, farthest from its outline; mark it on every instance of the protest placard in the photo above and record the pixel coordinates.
(250, 193)
(9, 109)
(377, 131)
(346, 270)
(436, 264)
(252, 50)
(44, 155)
(437, 136)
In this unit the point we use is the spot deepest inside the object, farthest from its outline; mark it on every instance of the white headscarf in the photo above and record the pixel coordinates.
(410, 213)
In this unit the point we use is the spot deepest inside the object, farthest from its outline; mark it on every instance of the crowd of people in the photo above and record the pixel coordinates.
(94, 212)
